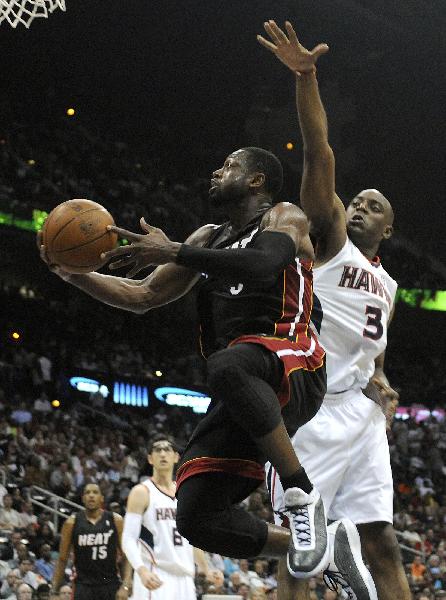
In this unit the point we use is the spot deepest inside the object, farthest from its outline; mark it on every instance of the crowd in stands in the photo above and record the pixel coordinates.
(62, 449)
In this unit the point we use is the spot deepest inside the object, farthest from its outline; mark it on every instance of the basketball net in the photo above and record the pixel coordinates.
(25, 11)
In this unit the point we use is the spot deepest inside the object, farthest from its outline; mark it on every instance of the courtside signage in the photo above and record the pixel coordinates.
(174, 396)
(91, 386)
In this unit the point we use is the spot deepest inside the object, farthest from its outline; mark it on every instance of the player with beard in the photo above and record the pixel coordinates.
(266, 370)
(94, 535)
(357, 295)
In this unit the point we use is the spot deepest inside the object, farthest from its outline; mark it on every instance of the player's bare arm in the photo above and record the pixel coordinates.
(137, 503)
(290, 219)
(166, 284)
(125, 590)
(318, 197)
(390, 397)
(66, 537)
(274, 248)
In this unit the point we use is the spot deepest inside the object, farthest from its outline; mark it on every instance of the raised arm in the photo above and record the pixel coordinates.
(166, 284)
(323, 208)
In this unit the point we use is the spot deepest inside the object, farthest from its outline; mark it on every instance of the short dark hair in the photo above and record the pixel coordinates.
(161, 437)
(91, 483)
(266, 162)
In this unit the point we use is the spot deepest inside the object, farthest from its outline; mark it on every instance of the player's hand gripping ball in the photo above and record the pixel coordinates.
(75, 235)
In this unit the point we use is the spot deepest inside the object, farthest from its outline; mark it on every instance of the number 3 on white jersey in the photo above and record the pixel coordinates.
(373, 328)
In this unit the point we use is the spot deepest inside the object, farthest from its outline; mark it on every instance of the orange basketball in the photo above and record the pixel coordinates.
(75, 235)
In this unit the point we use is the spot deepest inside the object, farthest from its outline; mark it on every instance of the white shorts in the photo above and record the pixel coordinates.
(345, 452)
(175, 587)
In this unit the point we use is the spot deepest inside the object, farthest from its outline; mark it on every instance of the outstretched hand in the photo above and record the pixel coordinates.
(288, 48)
(151, 248)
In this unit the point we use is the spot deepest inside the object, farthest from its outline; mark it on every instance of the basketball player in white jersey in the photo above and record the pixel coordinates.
(163, 561)
(344, 447)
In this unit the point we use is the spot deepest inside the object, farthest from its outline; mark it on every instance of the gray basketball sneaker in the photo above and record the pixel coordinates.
(346, 573)
(308, 552)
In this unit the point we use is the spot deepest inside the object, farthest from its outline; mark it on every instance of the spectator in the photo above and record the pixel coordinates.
(21, 415)
(65, 592)
(9, 586)
(3, 492)
(45, 535)
(43, 592)
(42, 406)
(243, 591)
(235, 582)
(24, 592)
(230, 566)
(61, 480)
(27, 515)
(260, 569)
(257, 594)
(23, 553)
(45, 565)
(217, 587)
(417, 570)
(9, 518)
(26, 574)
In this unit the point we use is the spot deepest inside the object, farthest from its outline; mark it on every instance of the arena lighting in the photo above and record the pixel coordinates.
(419, 413)
(425, 299)
(55, 403)
(289, 146)
(91, 386)
(159, 373)
(70, 112)
(130, 394)
(31, 161)
(174, 396)
(15, 335)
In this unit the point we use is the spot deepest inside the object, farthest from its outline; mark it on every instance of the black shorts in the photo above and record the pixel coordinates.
(219, 444)
(107, 591)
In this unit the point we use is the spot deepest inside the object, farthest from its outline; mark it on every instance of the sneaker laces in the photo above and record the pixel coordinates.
(299, 519)
(334, 579)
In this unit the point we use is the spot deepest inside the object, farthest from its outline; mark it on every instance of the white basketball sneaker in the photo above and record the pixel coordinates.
(346, 573)
(308, 552)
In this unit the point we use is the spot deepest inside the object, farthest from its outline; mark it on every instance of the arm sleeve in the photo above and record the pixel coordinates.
(130, 536)
(269, 255)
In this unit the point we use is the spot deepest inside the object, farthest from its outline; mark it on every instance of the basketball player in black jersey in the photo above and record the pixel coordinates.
(94, 535)
(266, 369)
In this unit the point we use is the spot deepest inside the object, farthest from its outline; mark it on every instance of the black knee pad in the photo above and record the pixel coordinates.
(250, 400)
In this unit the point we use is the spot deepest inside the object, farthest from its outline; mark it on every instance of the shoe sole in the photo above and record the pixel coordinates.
(349, 562)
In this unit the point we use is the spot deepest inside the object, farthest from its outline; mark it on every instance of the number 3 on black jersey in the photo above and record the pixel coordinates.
(373, 328)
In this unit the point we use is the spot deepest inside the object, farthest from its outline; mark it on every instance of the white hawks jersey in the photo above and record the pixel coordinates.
(160, 542)
(356, 297)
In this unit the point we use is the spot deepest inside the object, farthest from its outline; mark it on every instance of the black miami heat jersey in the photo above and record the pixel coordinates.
(95, 548)
(229, 310)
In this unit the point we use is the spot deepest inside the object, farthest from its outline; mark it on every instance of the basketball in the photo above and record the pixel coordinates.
(75, 234)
